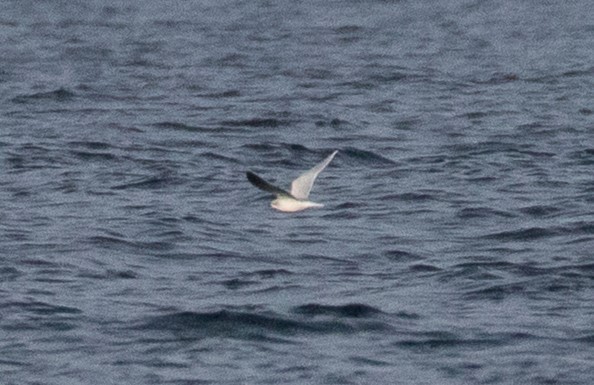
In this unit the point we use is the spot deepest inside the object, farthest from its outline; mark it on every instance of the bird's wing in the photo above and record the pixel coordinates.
(301, 186)
(265, 186)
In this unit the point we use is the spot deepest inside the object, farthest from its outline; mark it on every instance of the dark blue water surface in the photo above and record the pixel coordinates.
(455, 245)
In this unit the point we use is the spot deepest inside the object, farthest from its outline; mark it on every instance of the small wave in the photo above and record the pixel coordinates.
(43, 308)
(479, 270)
(111, 242)
(482, 212)
(229, 60)
(409, 197)
(529, 234)
(180, 127)
(59, 95)
(585, 269)
(348, 29)
(367, 157)
(490, 147)
(255, 122)
(236, 324)
(444, 340)
(579, 73)
(539, 211)
(224, 94)
(277, 146)
(110, 274)
(90, 145)
(90, 156)
(583, 157)
(499, 78)
(271, 273)
(254, 278)
(334, 123)
(217, 157)
(526, 235)
(588, 339)
(237, 283)
(538, 283)
(424, 268)
(41, 316)
(266, 325)
(354, 310)
(496, 292)
(288, 154)
(350, 205)
(9, 273)
(155, 182)
(400, 255)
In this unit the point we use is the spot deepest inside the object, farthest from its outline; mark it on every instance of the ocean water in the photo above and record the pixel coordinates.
(456, 245)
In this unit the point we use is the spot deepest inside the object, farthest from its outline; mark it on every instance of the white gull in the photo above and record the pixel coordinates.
(296, 200)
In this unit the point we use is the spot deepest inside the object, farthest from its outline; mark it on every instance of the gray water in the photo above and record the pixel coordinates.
(456, 241)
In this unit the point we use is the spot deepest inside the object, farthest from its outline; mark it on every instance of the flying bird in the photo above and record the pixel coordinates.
(296, 200)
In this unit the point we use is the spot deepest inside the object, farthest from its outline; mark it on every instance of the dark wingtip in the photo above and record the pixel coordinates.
(254, 179)
(263, 185)
(251, 176)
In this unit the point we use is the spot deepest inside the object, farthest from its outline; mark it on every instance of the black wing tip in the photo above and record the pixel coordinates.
(263, 185)
(251, 176)
(255, 179)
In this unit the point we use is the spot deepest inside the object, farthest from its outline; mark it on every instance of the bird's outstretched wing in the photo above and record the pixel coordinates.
(301, 186)
(265, 186)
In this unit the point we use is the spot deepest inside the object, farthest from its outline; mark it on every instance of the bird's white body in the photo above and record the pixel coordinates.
(296, 200)
(290, 205)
